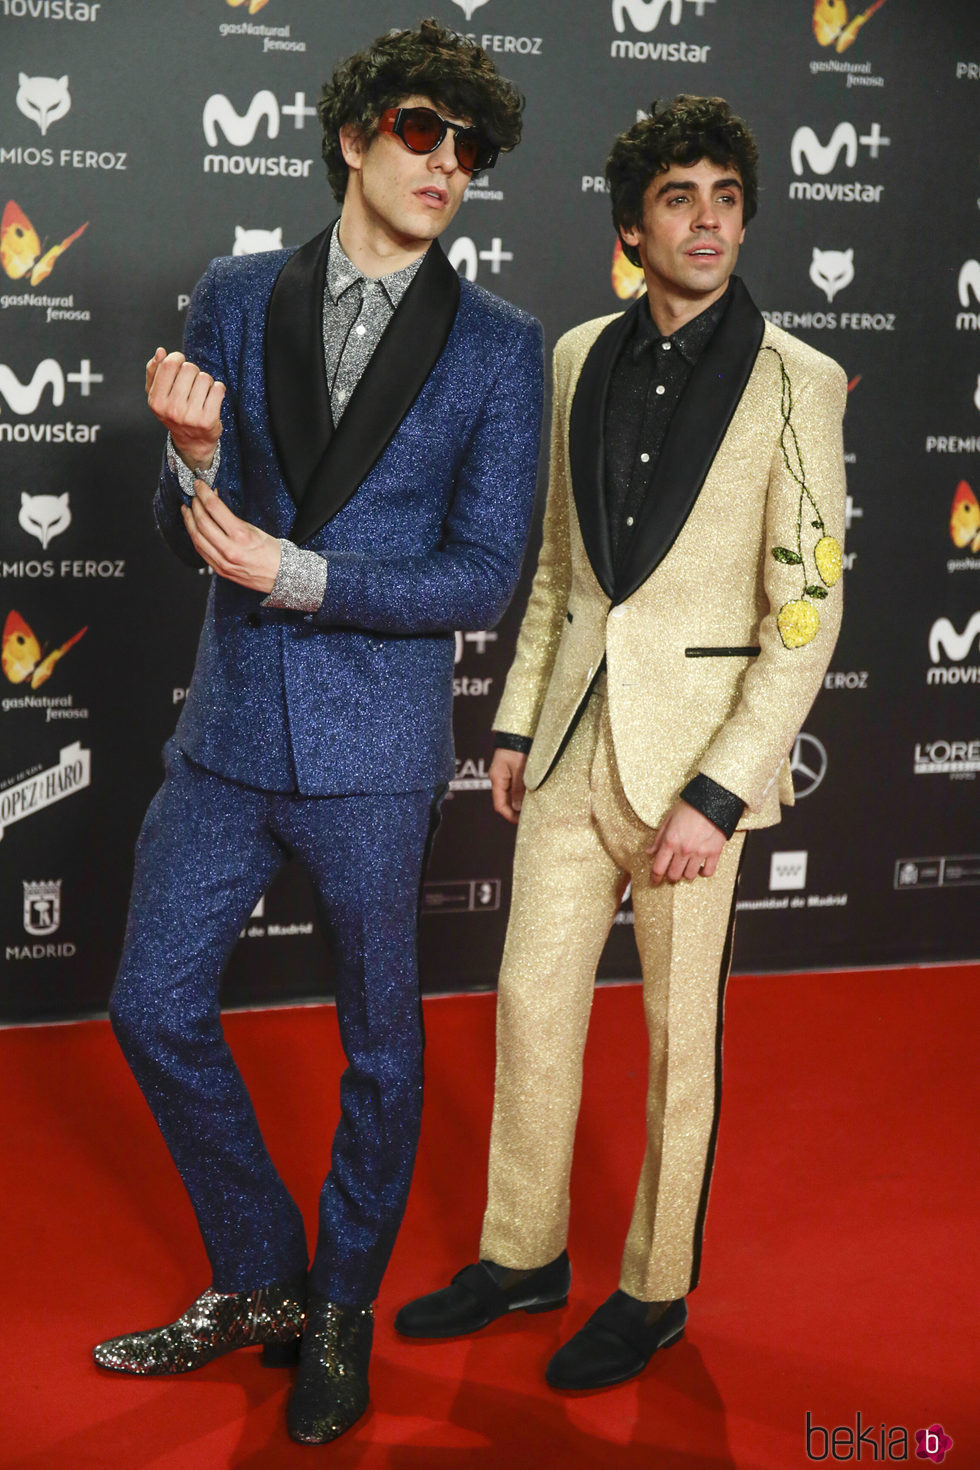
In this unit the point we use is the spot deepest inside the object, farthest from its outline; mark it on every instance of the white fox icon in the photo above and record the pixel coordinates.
(247, 242)
(44, 516)
(43, 99)
(832, 270)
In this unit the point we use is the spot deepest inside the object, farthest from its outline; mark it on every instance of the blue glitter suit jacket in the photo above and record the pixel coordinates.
(420, 500)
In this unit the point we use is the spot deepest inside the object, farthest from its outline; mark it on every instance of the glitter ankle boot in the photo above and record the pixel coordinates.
(218, 1322)
(331, 1390)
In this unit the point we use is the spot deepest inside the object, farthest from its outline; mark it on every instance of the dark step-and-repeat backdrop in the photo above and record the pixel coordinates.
(138, 141)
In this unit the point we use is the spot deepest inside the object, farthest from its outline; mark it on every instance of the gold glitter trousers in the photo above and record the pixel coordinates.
(579, 843)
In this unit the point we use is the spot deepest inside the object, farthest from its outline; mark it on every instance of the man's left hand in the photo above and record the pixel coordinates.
(233, 547)
(685, 845)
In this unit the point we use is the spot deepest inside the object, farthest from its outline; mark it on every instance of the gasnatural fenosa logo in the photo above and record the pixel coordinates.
(833, 27)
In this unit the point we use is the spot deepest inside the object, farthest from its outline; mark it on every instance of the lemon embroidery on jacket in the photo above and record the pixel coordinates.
(798, 621)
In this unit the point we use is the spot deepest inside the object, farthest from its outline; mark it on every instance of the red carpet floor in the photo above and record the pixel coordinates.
(839, 1270)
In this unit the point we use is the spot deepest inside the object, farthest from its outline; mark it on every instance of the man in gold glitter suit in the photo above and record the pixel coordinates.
(681, 619)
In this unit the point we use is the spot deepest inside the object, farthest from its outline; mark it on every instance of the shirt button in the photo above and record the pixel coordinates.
(661, 388)
(341, 394)
(665, 346)
(644, 459)
(629, 520)
(360, 331)
(617, 612)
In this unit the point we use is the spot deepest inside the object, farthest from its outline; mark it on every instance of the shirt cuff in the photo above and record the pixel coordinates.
(503, 741)
(715, 802)
(301, 581)
(185, 476)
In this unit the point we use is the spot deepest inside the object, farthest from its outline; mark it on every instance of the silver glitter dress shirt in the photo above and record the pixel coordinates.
(356, 311)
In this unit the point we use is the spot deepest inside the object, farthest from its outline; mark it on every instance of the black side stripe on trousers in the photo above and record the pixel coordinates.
(723, 972)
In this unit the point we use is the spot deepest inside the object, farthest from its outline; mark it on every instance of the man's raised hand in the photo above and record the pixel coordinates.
(188, 403)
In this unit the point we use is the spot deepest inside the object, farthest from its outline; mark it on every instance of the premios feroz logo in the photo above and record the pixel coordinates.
(45, 101)
(808, 153)
(645, 16)
(263, 113)
(832, 271)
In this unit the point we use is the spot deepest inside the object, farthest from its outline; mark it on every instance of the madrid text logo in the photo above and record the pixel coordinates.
(832, 26)
(250, 242)
(469, 7)
(807, 152)
(787, 870)
(43, 99)
(831, 270)
(22, 656)
(44, 787)
(808, 764)
(21, 252)
(946, 640)
(44, 516)
(968, 285)
(239, 129)
(42, 907)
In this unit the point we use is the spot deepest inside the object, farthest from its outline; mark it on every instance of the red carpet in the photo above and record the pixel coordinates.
(839, 1268)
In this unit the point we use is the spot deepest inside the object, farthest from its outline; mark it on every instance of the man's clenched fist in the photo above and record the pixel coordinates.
(188, 403)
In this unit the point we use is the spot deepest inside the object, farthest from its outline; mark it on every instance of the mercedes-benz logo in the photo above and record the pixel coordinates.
(807, 764)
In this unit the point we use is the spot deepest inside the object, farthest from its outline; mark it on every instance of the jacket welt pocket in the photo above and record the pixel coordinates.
(746, 650)
(568, 617)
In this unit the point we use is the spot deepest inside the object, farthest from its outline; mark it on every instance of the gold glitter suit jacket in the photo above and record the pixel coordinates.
(717, 632)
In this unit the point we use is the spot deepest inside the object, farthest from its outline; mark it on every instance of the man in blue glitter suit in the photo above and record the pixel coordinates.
(353, 436)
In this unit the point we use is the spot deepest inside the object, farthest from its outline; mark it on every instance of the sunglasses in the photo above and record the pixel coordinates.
(421, 129)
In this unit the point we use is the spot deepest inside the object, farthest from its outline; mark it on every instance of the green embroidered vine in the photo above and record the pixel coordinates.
(799, 621)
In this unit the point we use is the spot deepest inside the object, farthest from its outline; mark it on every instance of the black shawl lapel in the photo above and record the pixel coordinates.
(295, 374)
(409, 349)
(587, 445)
(699, 424)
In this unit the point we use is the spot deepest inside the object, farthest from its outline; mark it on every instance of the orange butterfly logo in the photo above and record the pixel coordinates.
(20, 246)
(627, 278)
(22, 657)
(832, 27)
(253, 5)
(964, 518)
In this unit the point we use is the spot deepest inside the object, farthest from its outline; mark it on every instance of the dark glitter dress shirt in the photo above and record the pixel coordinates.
(645, 387)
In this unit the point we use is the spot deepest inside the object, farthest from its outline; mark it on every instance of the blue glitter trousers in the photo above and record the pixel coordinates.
(206, 853)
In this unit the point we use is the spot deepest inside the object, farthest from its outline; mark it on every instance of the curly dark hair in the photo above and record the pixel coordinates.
(432, 62)
(682, 131)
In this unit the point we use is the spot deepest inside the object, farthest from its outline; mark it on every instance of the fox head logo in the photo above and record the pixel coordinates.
(43, 99)
(832, 270)
(248, 242)
(468, 6)
(44, 516)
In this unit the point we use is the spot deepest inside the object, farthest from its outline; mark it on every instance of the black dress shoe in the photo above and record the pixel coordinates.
(331, 1390)
(218, 1322)
(615, 1344)
(475, 1298)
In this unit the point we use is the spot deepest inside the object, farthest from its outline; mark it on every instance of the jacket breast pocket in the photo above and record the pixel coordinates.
(745, 650)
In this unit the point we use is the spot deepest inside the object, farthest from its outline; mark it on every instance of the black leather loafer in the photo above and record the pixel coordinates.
(474, 1298)
(614, 1345)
